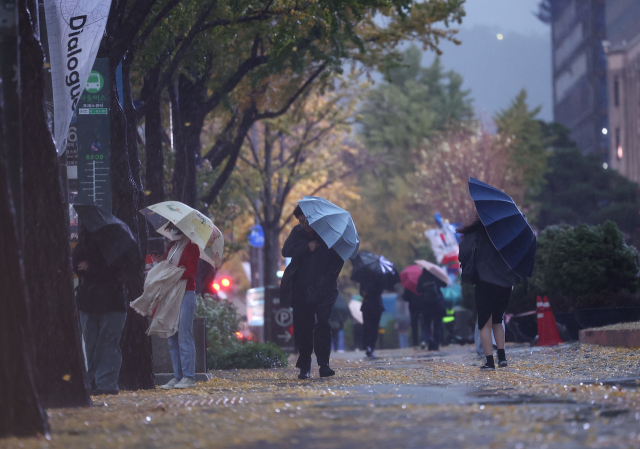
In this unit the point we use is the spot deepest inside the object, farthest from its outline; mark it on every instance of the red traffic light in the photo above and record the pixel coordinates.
(225, 282)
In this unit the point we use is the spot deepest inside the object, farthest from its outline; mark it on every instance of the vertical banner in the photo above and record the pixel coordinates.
(94, 138)
(74, 29)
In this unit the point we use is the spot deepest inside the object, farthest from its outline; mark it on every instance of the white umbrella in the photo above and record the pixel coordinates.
(354, 308)
(198, 228)
(434, 269)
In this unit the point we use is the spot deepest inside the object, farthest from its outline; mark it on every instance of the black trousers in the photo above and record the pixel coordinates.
(371, 325)
(433, 316)
(417, 325)
(312, 332)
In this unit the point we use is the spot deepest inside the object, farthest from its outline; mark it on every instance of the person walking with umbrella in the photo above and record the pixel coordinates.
(318, 245)
(409, 278)
(432, 279)
(105, 251)
(194, 237)
(375, 274)
(498, 249)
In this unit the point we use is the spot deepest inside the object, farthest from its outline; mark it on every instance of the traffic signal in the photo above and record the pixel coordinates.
(226, 282)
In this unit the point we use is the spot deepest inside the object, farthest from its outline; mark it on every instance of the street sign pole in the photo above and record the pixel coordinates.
(94, 138)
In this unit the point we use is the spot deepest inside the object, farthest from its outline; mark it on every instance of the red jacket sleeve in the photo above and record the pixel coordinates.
(189, 260)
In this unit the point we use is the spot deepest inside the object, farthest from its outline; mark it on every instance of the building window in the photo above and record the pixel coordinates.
(616, 92)
(619, 144)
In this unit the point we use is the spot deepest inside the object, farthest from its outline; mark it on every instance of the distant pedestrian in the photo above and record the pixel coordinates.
(183, 253)
(310, 285)
(102, 305)
(372, 308)
(494, 281)
(433, 307)
(419, 334)
(339, 315)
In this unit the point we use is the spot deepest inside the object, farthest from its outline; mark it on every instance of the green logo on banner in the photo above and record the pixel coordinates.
(94, 83)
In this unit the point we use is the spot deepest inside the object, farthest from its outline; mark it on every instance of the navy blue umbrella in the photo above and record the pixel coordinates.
(506, 226)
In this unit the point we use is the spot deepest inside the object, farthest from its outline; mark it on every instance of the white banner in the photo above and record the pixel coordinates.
(74, 29)
(443, 242)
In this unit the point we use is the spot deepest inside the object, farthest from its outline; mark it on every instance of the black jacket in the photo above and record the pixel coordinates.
(429, 286)
(311, 278)
(100, 288)
(490, 265)
(371, 293)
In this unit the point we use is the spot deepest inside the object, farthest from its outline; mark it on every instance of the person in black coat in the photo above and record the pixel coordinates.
(494, 281)
(310, 285)
(417, 318)
(102, 305)
(372, 308)
(433, 307)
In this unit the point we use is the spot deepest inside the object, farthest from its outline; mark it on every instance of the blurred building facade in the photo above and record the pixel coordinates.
(580, 95)
(622, 48)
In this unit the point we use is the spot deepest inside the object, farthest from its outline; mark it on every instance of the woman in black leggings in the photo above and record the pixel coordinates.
(494, 283)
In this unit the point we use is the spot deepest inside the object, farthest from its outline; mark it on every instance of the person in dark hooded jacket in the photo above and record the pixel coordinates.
(372, 308)
(433, 307)
(101, 301)
(309, 284)
(494, 281)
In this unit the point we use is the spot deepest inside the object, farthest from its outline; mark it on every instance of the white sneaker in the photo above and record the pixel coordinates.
(185, 383)
(170, 385)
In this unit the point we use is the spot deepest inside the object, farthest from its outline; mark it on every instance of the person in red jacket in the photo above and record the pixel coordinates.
(183, 253)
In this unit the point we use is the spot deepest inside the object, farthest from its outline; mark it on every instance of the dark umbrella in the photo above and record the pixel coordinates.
(506, 226)
(369, 267)
(112, 235)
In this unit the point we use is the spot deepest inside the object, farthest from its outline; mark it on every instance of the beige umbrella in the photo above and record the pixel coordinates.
(434, 269)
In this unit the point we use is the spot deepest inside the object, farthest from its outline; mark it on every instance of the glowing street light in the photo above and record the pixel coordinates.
(605, 131)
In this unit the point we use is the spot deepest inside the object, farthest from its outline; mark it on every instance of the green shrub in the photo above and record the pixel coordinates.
(592, 260)
(223, 322)
(253, 356)
(581, 267)
(390, 339)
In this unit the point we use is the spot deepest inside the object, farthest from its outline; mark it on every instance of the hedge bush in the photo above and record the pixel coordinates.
(253, 356)
(581, 267)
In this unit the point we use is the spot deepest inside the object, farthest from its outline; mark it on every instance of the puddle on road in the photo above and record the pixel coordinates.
(386, 395)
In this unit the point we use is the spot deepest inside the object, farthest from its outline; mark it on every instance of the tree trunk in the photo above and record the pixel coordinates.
(61, 374)
(154, 181)
(137, 364)
(191, 115)
(272, 256)
(20, 411)
(180, 159)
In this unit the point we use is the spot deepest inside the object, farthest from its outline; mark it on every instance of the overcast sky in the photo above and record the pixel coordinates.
(496, 69)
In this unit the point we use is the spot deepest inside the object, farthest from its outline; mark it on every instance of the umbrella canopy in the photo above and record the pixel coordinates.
(333, 224)
(409, 277)
(434, 269)
(506, 226)
(356, 313)
(368, 266)
(198, 228)
(112, 235)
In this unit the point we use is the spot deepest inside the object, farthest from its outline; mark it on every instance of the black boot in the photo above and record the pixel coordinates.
(326, 371)
(305, 373)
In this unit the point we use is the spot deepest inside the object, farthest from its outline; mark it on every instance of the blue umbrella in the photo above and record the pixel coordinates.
(333, 224)
(506, 226)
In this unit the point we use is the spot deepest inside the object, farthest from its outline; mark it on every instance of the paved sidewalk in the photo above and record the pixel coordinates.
(547, 398)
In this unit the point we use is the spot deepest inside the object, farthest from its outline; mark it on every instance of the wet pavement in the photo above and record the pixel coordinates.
(568, 396)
